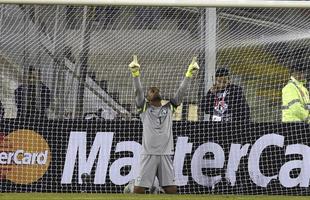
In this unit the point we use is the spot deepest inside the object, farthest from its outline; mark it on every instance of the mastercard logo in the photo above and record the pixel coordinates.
(24, 156)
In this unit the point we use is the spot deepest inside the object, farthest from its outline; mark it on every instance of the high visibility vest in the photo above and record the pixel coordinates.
(295, 102)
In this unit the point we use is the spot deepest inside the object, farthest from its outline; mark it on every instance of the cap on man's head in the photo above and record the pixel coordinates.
(299, 67)
(222, 71)
(31, 69)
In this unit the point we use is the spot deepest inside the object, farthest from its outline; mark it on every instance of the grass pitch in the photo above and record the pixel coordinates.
(81, 196)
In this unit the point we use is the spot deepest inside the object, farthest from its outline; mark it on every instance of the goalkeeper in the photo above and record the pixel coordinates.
(157, 139)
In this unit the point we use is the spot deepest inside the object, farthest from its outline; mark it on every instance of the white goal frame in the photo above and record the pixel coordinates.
(179, 3)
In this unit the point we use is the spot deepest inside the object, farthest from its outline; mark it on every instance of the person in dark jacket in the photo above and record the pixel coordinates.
(32, 97)
(225, 101)
(2, 111)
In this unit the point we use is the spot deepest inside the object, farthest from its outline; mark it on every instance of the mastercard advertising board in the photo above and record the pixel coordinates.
(25, 156)
(103, 156)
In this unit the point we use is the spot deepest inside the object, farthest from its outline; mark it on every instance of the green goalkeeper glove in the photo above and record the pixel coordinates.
(192, 68)
(134, 67)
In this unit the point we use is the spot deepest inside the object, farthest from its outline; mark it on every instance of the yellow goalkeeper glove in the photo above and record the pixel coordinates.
(134, 67)
(192, 68)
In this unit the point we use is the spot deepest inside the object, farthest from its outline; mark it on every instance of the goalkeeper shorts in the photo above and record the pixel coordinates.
(155, 165)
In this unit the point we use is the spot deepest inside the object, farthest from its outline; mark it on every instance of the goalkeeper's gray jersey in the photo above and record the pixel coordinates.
(157, 136)
(157, 130)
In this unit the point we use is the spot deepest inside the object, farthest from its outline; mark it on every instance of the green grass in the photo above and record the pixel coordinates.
(81, 196)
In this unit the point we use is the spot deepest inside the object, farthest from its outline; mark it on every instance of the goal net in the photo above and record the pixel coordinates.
(69, 121)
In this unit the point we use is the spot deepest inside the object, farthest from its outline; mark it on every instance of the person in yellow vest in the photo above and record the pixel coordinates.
(295, 96)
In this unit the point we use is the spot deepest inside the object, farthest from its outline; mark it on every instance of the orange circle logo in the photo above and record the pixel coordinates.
(24, 156)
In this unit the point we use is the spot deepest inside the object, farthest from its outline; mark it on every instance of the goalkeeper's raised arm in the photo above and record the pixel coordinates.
(134, 68)
(191, 71)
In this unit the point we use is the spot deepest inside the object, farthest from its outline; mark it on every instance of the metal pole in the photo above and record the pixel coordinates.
(83, 63)
(59, 62)
(210, 50)
(26, 46)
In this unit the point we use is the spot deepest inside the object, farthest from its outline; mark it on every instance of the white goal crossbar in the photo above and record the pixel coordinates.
(178, 3)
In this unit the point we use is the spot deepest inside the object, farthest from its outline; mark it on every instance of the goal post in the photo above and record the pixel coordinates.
(69, 121)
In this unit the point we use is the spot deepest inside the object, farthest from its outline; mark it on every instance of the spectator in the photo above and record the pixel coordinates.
(225, 101)
(295, 96)
(2, 111)
(32, 97)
